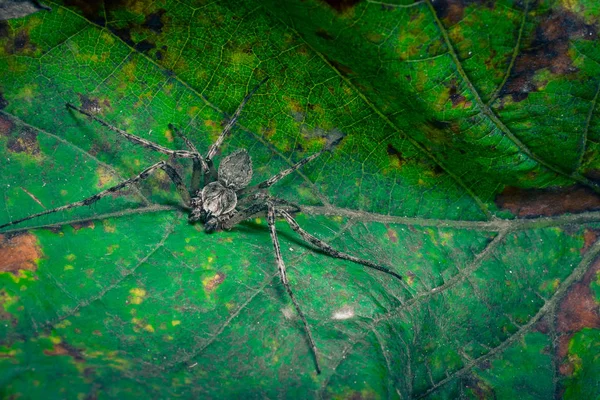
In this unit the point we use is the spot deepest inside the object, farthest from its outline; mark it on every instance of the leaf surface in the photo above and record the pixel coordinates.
(468, 165)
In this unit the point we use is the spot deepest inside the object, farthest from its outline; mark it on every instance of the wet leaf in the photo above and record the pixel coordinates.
(467, 163)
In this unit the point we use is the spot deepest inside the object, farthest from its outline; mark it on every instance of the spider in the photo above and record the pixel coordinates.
(221, 198)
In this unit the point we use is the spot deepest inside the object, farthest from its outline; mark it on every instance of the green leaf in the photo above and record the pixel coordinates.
(468, 165)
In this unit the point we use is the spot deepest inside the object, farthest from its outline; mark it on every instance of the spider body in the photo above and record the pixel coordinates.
(216, 202)
(222, 199)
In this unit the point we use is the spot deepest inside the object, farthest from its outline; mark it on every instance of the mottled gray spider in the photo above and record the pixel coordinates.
(222, 199)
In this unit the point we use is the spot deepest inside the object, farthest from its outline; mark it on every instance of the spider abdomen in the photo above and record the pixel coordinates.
(235, 170)
(218, 200)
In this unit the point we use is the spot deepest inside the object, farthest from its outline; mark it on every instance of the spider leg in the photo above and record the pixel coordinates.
(212, 150)
(200, 165)
(330, 250)
(256, 209)
(269, 182)
(171, 172)
(136, 139)
(284, 280)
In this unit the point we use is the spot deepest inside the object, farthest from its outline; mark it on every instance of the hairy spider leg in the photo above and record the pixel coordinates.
(284, 280)
(200, 167)
(212, 150)
(275, 178)
(330, 250)
(136, 139)
(171, 172)
(256, 210)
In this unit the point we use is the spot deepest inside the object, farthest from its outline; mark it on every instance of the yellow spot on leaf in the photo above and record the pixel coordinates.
(169, 135)
(107, 39)
(108, 226)
(137, 295)
(111, 249)
(63, 324)
(192, 111)
(191, 249)
(211, 283)
(242, 57)
(149, 328)
(27, 93)
(8, 353)
(258, 220)
(175, 322)
(129, 70)
(68, 267)
(63, 192)
(54, 339)
(6, 299)
(104, 177)
(70, 257)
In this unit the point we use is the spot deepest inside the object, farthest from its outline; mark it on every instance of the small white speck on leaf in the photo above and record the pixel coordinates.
(288, 313)
(345, 312)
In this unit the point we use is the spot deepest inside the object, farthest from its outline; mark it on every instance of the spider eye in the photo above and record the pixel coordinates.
(235, 170)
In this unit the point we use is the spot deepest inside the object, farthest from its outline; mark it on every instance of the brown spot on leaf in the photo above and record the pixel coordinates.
(20, 44)
(6, 126)
(93, 105)
(322, 33)
(457, 98)
(84, 224)
(547, 202)
(479, 388)
(589, 238)
(154, 21)
(342, 5)
(452, 11)
(25, 142)
(391, 234)
(211, 283)
(65, 349)
(548, 50)
(563, 345)
(19, 252)
(579, 309)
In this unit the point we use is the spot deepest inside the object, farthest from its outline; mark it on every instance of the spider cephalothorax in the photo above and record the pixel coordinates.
(222, 199)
